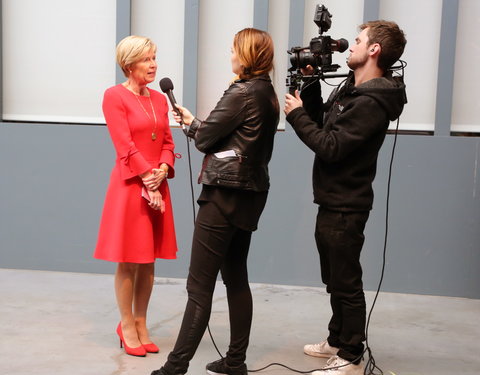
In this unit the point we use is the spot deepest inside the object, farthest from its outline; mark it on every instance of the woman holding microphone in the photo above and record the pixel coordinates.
(237, 140)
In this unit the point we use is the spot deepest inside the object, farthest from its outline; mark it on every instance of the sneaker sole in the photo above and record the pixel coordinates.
(319, 355)
(209, 372)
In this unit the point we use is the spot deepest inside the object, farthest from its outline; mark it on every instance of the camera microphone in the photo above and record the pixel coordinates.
(340, 45)
(166, 85)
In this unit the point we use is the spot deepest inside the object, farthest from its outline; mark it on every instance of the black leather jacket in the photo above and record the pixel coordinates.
(237, 136)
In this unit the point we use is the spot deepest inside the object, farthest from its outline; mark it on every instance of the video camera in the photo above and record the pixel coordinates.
(318, 54)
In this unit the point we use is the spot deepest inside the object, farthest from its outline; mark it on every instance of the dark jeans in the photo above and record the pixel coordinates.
(339, 237)
(217, 246)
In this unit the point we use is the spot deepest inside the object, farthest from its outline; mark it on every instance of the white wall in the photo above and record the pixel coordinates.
(219, 22)
(467, 72)
(58, 58)
(163, 22)
(59, 55)
(420, 20)
(434, 211)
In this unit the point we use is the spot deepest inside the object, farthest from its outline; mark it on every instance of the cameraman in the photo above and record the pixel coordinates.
(346, 134)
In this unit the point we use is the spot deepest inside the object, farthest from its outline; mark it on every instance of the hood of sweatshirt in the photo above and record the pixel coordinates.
(388, 91)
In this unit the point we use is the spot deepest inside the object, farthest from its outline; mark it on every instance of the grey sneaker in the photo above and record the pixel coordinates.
(339, 366)
(323, 350)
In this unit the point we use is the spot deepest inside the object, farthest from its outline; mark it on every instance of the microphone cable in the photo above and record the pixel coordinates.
(370, 367)
(189, 157)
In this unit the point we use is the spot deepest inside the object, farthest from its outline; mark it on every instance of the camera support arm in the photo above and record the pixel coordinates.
(296, 78)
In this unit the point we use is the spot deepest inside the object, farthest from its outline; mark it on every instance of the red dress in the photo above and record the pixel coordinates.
(131, 231)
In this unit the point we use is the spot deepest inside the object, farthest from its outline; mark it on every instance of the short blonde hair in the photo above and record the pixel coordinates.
(131, 49)
(254, 49)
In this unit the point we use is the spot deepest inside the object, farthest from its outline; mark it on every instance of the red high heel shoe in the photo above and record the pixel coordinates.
(138, 352)
(151, 348)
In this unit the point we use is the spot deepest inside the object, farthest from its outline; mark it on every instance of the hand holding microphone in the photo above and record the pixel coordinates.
(182, 114)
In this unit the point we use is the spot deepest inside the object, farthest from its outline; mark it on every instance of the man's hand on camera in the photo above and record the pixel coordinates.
(292, 102)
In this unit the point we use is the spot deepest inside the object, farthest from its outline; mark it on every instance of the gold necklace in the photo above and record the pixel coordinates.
(154, 134)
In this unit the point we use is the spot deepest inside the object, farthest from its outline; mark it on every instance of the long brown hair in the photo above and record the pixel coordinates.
(254, 49)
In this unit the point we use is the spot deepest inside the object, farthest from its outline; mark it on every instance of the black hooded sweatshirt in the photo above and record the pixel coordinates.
(346, 134)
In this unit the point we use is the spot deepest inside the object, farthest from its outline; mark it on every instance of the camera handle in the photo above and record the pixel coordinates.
(295, 80)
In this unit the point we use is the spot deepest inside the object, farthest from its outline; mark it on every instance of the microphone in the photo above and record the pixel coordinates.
(340, 45)
(166, 85)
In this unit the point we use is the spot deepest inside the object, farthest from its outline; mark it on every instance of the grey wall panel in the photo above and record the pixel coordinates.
(260, 14)
(54, 179)
(371, 10)
(190, 53)
(446, 68)
(435, 216)
(124, 29)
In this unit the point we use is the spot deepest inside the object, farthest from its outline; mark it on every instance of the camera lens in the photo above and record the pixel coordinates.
(302, 58)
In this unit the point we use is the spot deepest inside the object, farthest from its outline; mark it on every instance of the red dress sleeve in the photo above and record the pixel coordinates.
(131, 161)
(167, 156)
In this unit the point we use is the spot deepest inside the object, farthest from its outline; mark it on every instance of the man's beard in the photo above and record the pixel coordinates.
(356, 63)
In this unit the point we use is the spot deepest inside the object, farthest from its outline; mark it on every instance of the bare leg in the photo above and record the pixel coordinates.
(124, 289)
(141, 297)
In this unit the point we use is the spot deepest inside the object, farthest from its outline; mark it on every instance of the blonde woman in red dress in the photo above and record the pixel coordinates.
(137, 221)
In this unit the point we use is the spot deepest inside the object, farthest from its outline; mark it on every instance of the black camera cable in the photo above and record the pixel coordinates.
(208, 325)
(370, 365)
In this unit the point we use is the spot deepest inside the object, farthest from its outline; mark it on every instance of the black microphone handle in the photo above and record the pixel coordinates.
(172, 100)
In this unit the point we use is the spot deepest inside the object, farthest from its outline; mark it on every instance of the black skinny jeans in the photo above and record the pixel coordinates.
(217, 246)
(339, 237)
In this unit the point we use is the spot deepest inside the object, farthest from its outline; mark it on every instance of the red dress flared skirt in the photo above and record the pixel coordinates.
(131, 231)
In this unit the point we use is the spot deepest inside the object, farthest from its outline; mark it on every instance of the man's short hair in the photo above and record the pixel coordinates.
(391, 39)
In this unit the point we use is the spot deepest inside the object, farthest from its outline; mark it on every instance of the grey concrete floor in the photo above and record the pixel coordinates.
(64, 323)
